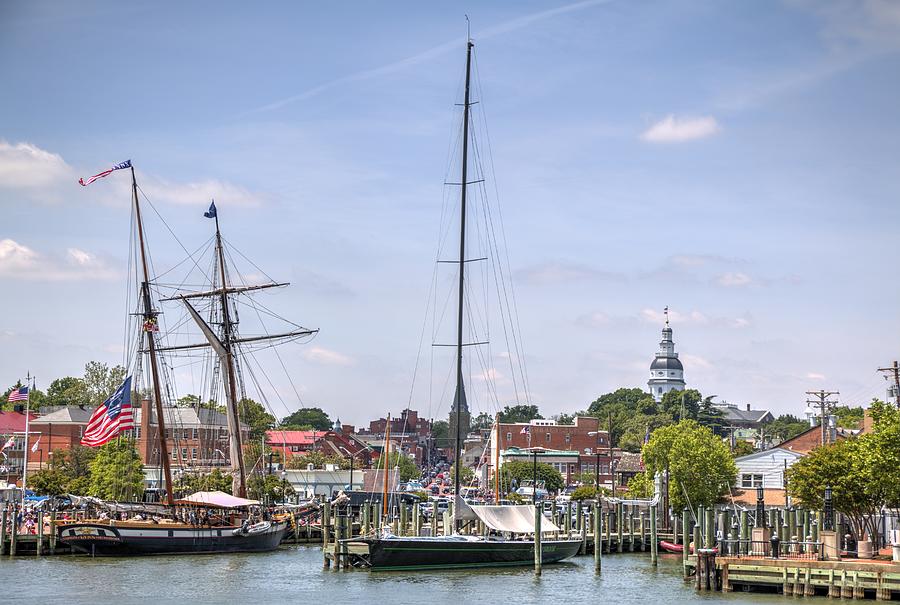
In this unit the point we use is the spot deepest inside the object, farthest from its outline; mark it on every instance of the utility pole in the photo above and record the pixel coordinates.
(825, 405)
(895, 371)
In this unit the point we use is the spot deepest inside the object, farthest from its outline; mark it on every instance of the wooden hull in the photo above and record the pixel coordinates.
(448, 553)
(130, 539)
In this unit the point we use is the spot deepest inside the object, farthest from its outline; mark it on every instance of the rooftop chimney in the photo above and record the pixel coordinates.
(748, 407)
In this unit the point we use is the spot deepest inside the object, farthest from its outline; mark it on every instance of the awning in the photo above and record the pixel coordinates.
(518, 519)
(220, 499)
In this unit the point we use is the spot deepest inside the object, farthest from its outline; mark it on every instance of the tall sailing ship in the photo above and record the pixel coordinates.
(508, 543)
(220, 522)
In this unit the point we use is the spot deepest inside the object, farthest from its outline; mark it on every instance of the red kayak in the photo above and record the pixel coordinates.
(669, 547)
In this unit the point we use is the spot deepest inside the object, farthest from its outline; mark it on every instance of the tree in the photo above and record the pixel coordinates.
(308, 418)
(67, 391)
(256, 417)
(408, 468)
(562, 418)
(101, 381)
(117, 472)
(521, 470)
(640, 486)
(628, 409)
(588, 492)
(787, 427)
(49, 482)
(318, 460)
(711, 416)
(682, 404)
(188, 483)
(849, 418)
(440, 433)
(269, 488)
(482, 421)
(465, 477)
(520, 413)
(741, 448)
(862, 472)
(699, 464)
(36, 398)
(635, 429)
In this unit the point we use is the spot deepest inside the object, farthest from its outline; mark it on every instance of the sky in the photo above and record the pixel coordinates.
(736, 162)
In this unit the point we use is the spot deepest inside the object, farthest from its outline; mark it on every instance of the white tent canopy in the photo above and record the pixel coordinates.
(217, 498)
(517, 519)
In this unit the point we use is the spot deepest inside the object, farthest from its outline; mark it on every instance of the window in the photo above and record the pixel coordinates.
(195, 433)
(184, 453)
(548, 437)
(509, 436)
(187, 433)
(137, 432)
(175, 455)
(659, 390)
(295, 448)
(193, 453)
(568, 438)
(751, 480)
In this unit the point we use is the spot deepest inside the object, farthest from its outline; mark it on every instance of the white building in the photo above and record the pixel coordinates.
(765, 468)
(666, 371)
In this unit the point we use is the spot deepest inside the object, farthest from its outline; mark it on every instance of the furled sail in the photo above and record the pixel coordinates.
(517, 519)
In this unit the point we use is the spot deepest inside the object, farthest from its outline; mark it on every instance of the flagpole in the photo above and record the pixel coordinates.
(28, 378)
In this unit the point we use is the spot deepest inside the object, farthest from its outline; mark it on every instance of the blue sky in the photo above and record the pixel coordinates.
(735, 161)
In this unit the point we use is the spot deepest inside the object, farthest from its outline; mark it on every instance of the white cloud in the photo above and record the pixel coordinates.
(659, 317)
(559, 272)
(815, 376)
(18, 261)
(37, 175)
(327, 357)
(734, 279)
(199, 193)
(672, 129)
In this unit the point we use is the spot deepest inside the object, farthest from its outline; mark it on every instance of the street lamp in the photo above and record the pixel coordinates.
(760, 507)
(829, 509)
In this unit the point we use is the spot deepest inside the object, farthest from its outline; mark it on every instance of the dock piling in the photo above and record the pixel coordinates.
(598, 536)
(538, 554)
(654, 543)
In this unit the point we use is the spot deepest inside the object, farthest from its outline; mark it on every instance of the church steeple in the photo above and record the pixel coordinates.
(666, 371)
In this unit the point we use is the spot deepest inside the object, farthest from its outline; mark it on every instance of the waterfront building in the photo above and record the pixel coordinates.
(666, 370)
(60, 429)
(735, 417)
(293, 444)
(12, 426)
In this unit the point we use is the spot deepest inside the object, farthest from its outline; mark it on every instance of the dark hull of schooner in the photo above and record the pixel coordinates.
(452, 553)
(129, 539)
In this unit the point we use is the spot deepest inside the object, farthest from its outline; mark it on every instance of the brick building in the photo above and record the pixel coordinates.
(58, 430)
(12, 426)
(407, 425)
(292, 444)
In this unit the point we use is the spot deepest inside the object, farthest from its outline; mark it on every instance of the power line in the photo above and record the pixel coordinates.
(825, 405)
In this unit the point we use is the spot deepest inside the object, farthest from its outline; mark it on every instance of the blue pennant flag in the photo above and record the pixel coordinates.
(211, 213)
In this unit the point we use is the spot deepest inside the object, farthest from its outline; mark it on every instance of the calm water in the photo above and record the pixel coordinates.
(295, 575)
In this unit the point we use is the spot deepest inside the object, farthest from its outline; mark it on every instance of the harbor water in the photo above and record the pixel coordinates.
(294, 574)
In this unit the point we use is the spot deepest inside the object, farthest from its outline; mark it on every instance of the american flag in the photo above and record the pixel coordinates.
(111, 418)
(526, 430)
(20, 394)
(85, 183)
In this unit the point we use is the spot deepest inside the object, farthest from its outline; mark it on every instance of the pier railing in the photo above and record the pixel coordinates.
(748, 549)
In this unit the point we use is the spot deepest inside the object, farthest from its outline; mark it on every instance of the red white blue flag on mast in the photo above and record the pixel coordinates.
(20, 394)
(85, 183)
(111, 418)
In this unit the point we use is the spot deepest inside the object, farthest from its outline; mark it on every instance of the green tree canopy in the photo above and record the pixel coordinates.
(188, 483)
(117, 472)
(257, 418)
(408, 468)
(482, 421)
(521, 470)
(67, 391)
(849, 418)
(520, 413)
(699, 464)
(101, 381)
(640, 486)
(786, 427)
(308, 418)
(440, 432)
(269, 488)
(682, 405)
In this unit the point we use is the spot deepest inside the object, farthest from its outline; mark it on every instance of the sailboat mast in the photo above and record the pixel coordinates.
(497, 460)
(233, 417)
(462, 270)
(149, 321)
(387, 460)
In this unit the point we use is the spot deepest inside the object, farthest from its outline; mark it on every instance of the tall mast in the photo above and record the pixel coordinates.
(497, 460)
(149, 321)
(29, 382)
(387, 460)
(234, 423)
(462, 269)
